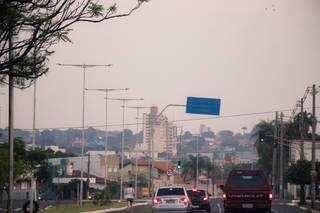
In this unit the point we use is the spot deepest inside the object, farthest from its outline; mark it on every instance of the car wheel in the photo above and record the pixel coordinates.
(208, 210)
(267, 211)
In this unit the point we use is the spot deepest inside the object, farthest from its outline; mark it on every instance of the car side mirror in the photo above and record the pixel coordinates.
(222, 187)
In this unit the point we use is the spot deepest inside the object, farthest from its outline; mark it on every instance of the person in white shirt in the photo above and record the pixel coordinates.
(129, 195)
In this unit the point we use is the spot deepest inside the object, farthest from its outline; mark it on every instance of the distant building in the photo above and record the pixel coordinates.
(164, 133)
(204, 128)
(97, 165)
(55, 148)
(159, 171)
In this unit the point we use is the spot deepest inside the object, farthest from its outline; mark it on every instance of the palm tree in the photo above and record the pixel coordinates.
(265, 148)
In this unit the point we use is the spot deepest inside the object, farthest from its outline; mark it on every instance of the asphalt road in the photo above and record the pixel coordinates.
(277, 207)
(217, 207)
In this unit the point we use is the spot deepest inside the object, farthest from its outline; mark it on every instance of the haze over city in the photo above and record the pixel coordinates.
(256, 56)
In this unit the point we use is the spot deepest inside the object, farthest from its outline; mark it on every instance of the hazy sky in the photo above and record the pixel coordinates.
(254, 55)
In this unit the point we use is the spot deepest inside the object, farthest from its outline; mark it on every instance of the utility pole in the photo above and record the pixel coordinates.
(313, 161)
(301, 130)
(281, 158)
(274, 156)
(84, 67)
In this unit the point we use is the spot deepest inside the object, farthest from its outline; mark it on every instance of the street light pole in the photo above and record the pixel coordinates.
(136, 156)
(83, 66)
(33, 183)
(313, 161)
(124, 100)
(197, 171)
(107, 90)
(153, 121)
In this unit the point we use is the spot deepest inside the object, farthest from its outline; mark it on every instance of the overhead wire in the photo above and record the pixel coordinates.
(174, 121)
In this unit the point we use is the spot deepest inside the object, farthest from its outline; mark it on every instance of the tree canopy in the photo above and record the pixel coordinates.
(25, 163)
(35, 26)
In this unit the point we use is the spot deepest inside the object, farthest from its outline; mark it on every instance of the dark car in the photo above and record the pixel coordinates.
(247, 189)
(199, 199)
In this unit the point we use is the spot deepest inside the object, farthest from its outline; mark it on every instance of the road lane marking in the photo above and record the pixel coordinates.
(218, 205)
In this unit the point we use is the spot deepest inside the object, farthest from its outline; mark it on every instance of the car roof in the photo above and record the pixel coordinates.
(169, 187)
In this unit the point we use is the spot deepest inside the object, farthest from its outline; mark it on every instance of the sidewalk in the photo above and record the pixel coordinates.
(306, 207)
(117, 209)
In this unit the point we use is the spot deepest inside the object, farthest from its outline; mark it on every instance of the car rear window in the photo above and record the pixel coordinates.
(244, 180)
(198, 193)
(170, 191)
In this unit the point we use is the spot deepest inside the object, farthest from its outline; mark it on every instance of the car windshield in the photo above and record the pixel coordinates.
(197, 193)
(244, 180)
(170, 191)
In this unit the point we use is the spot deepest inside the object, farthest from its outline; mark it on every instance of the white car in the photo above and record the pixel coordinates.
(171, 199)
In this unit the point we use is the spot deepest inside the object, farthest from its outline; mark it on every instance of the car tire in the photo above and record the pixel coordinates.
(208, 209)
(267, 211)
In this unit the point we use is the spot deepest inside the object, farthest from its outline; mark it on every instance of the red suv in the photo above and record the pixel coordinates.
(247, 189)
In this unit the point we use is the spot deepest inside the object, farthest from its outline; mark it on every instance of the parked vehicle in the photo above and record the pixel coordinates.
(171, 199)
(199, 199)
(247, 189)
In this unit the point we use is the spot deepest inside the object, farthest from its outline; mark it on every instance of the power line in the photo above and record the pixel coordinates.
(175, 121)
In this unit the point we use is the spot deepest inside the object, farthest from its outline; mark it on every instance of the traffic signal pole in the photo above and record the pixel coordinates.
(274, 157)
(281, 158)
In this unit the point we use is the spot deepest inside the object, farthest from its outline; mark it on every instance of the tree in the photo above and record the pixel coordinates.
(264, 149)
(25, 163)
(189, 168)
(37, 25)
(293, 127)
(299, 173)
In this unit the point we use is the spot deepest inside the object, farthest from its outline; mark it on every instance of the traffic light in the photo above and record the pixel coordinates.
(179, 164)
(261, 137)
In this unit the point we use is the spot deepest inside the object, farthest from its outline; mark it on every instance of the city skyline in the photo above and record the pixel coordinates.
(233, 54)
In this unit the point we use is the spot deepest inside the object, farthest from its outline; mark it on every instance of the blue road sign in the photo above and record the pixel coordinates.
(206, 106)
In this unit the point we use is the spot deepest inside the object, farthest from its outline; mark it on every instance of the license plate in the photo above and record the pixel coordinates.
(247, 206)
(195, 206)
(170, 201)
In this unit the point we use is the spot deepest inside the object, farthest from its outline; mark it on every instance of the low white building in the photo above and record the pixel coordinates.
(55, 148)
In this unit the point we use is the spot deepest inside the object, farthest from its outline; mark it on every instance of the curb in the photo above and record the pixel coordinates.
(116, 209)
(305, 208)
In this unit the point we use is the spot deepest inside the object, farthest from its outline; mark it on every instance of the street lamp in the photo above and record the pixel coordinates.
(107, 90)
(124, 100)
(150, 164)
(84, 67)
(136, 160)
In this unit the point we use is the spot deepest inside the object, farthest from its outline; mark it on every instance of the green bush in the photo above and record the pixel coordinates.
(102, 197)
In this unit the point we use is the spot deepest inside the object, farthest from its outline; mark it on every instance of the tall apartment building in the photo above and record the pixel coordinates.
(164, 133)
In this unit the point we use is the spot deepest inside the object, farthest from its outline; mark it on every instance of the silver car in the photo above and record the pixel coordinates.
(171, 199)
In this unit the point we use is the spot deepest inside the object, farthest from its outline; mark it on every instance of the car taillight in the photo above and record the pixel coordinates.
(224, 196)
(206, 197)
(184, 200)
(270, 196)
(156, 201)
